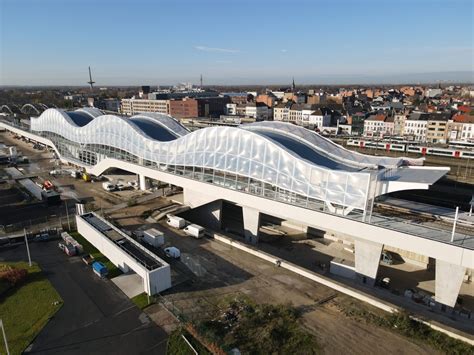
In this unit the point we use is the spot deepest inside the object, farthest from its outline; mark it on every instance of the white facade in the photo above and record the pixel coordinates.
(155, 279)
(231, 109)
(374, 128)
(416, 128)
(281, 114)
(319, 121)
(467, 132)
(259, 112)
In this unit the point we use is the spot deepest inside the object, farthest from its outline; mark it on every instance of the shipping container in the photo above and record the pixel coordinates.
(153, 237)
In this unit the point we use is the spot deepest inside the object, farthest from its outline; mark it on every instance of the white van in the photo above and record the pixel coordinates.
(175, 221)
(108, 186)
(172, 252)
(194, 231)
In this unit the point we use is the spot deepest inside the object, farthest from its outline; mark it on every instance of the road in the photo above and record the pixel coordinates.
(96, 318)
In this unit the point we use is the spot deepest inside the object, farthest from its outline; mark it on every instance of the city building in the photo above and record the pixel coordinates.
(184, 108)
(133, 106)
(416, 126)
(436, 128)
(379, 125)
(281, 112)
(259, 111)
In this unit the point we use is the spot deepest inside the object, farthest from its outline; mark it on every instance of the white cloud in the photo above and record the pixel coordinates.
(284, 51)
(213, 49)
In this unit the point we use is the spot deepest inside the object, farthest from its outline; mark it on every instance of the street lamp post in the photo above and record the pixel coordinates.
(4, 337)
(27, 248)
(454, 224)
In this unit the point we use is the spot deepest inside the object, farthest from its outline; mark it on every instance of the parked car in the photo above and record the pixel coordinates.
(88, 259)
(386, 258)
(133, 184)
(108, 186)
(41, 237)
(121, 186)
(173, 252)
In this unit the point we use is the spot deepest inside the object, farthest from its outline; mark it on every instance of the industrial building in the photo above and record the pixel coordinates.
(124, 252)
(272, 168)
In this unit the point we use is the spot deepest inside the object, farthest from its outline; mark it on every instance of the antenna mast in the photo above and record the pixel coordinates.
(90, 82)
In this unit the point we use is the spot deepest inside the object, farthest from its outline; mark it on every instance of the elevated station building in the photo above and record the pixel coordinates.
(274, 168)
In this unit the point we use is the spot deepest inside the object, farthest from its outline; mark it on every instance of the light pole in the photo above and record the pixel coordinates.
(472, 204)
(27, 248)
(4, 337)
(67, 216)
(454, 224)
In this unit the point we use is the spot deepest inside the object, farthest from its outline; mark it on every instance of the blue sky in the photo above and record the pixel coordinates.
(159, 42)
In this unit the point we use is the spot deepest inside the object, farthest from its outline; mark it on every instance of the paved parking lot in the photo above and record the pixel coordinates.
(96, 318)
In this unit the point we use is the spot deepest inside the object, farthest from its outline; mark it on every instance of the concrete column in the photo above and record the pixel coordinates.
(251, 224)
(143, 182)
(205, 208)
(367, 260)
(448, 282)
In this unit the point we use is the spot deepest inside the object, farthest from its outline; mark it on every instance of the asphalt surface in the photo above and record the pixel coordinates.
(96, 318)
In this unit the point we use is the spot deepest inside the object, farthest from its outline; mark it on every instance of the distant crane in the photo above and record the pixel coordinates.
(201, 81)
(90, 82)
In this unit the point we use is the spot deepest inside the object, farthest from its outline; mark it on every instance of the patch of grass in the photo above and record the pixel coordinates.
(26, 309)
(141, 300)
(90, 249)
(177, 345)
(258, 329)
(402, 323)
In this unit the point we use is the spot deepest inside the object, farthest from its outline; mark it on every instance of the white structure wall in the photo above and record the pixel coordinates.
(154, 281)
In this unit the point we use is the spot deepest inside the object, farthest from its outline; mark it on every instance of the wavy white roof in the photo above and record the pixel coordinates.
(282, 155)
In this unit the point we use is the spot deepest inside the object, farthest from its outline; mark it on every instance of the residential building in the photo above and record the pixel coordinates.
(399, 124)
(281, 112)
(460, 128)
(239, 98)
(416, 126)
(258, 111)
(436, 127)
(378, 126)
(433, 93)
(267, 99)
(319, 120)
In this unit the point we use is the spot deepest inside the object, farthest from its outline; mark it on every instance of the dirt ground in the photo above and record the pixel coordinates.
(212, 271)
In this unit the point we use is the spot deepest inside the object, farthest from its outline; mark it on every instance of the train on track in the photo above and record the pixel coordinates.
(454, 151)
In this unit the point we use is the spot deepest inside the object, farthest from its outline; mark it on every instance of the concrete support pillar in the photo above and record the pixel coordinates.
(251, 224)
(207, 208)
(143, 182)
(448, 282)
(367, 260)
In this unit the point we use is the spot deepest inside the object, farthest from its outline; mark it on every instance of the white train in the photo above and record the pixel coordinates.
(410, 147)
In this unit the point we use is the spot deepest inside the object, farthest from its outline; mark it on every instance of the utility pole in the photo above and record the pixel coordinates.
(27, 248)
(4, 337)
